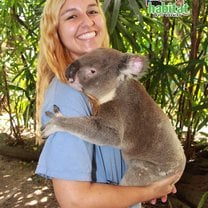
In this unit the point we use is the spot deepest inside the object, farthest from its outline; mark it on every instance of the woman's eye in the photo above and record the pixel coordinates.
(93, 12)
(71, 17)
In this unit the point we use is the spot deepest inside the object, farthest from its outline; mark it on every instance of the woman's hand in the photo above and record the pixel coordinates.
(166, 185)
(163, 198)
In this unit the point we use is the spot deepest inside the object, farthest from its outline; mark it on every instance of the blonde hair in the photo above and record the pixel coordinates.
(53, 57)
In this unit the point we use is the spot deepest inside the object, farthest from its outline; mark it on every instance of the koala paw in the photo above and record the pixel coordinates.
(56, 111)
(53, 125)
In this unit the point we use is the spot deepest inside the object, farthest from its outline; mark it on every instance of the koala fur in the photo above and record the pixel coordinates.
(127, 118)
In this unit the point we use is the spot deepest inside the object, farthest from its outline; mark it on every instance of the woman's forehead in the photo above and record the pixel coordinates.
(72, 5)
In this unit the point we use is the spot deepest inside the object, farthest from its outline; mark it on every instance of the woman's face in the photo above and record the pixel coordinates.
(81, 26)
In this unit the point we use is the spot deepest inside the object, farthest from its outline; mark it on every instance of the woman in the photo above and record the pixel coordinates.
(83, 175)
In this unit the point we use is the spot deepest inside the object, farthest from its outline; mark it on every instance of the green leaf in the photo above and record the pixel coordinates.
(203, 200)
(203, 123)
(136, 9)
(114, 15)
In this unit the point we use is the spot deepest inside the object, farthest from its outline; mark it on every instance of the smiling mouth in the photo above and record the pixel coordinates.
(87, 36)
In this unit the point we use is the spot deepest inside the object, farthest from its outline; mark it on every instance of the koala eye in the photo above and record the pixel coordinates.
(90, 72)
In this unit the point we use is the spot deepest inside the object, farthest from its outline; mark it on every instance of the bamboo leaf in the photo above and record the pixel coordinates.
(114, 15)
(203, 200)
(135, 7)
(106, 5)
(200, 107)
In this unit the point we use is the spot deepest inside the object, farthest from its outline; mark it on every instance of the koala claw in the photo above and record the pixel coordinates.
(49, 128)
(56, 109)
(49, 114)
(43, 131)
(56, 112)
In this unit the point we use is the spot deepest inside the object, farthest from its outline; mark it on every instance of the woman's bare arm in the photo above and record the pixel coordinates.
(91, 195)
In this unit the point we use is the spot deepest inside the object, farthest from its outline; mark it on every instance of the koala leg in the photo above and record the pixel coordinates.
(92, 129)
(142, 173)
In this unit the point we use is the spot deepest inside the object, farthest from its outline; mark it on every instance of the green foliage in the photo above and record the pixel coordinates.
(18, 40)
(177, 49)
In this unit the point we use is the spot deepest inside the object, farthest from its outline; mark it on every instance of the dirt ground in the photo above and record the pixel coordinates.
(19, 187)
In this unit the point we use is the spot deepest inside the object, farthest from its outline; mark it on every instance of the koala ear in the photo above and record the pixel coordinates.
(72, 69)
(135, 66)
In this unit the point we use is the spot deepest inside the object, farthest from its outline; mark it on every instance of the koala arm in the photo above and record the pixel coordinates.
(93, 129)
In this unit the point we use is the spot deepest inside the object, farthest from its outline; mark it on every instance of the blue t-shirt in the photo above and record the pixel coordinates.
(67, 157)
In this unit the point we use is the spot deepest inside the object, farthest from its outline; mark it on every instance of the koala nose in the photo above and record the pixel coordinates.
(71, 70)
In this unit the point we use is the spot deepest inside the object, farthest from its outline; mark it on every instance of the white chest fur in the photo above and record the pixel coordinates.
(109, 96)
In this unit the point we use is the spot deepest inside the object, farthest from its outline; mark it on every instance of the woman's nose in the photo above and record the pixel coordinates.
(87, 21)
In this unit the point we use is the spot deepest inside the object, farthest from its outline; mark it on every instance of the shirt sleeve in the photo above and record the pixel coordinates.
(64, 155)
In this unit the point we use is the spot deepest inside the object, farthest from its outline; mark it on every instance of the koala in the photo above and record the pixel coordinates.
(127, 117)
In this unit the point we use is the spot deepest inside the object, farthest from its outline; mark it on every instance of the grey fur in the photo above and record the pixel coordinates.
(128, 118)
